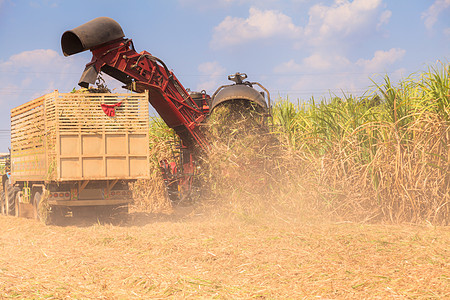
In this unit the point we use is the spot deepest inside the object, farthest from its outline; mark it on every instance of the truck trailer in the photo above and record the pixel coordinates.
(74, 153)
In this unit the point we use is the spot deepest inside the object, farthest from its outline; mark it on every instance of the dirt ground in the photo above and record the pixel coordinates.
(193, 254)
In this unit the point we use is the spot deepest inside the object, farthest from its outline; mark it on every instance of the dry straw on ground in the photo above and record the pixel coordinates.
(205, 257)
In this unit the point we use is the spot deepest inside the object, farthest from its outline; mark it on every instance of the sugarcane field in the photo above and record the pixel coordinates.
(317, 173)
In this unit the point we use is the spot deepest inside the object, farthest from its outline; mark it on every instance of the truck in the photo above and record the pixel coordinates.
(70, 152)
(76, 153)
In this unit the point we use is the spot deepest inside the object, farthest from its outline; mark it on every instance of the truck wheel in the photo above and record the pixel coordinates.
(41, 209)
(2, 203)
(16, 206)
(10, 197)
(114, 213)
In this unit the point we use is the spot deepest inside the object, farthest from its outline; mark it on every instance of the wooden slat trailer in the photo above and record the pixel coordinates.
(77, 152)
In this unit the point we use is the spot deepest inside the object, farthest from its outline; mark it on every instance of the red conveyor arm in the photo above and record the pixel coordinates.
(141, 72)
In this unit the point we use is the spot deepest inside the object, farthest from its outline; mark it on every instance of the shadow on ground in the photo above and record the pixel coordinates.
(136, 218)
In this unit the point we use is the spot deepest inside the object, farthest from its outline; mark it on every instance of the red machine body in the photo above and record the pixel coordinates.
(116, 56)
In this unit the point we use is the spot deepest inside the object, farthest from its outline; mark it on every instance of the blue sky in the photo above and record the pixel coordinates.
(296, 48)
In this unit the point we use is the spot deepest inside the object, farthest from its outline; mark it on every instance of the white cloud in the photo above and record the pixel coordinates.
(323, 73)
(213, 71)
(336, 25)
(342, 19)
(430, 16)
(289, 67)
(384, 18)
(260, 24)
(35, 73)
(27, 75)
(318, 75)
(323, 62)
(381, 60)
(316, 62)
(35, 59)
(43, 70)
(447, 32)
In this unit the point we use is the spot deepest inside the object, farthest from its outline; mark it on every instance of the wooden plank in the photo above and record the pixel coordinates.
(27, 106)
(27, 140)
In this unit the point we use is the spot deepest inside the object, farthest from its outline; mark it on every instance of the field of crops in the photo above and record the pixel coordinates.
(383, 156)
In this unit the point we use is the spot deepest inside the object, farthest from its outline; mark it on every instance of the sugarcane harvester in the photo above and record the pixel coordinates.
(181, 110)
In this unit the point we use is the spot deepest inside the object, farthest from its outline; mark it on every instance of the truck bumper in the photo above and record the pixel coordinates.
(88, 202)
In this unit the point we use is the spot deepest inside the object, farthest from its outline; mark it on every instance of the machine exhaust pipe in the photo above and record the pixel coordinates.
(90, 35)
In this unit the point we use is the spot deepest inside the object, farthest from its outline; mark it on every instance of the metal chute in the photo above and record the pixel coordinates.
(91, 34)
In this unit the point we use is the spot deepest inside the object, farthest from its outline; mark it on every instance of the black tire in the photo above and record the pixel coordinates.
(10, 199)
(41, 209)
(2, 203)
(36, 202)
(122, 209)
(17, 208)
(116, 214)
